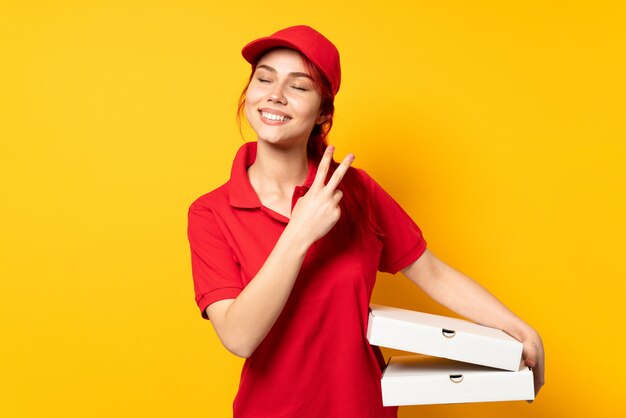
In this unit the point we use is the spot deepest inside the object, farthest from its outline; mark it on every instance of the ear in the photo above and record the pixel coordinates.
(321, 119)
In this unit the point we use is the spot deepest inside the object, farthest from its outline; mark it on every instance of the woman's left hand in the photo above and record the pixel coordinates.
(462, 295)
(534, 357)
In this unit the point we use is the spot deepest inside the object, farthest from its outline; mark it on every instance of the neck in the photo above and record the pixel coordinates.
(278, 170)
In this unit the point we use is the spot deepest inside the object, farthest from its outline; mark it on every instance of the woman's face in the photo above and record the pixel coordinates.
(282, 104)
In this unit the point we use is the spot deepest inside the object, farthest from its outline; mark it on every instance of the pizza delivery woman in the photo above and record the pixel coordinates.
(285, 254)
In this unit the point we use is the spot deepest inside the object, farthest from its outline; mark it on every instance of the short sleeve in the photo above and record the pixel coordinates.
(403, 242)
(215, 270)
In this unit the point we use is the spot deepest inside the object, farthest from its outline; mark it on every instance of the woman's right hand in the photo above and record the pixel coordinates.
(315, 213)
(243, 322)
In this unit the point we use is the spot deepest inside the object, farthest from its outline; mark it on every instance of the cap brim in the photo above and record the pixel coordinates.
(256, 48)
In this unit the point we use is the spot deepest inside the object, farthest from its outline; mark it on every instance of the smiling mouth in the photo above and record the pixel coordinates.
(274, 117)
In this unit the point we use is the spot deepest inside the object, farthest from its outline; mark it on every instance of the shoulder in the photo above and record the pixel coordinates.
(375, 192)
(213, 200)
(204, 214)
(365, 179)
(362, 174)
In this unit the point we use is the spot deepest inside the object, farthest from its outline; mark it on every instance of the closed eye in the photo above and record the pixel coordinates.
(262, 80)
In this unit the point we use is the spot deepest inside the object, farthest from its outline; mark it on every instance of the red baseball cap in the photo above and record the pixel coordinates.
(305, 40)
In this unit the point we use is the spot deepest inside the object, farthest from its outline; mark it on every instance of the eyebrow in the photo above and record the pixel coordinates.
(294, 74)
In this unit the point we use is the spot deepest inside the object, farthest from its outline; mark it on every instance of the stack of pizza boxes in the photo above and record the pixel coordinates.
(458, 361)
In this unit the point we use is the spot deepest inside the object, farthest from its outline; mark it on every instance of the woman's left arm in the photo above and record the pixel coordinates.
(466, 297)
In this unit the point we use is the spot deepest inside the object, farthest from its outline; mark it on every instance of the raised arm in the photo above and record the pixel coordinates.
(466, 297)
(242, 323)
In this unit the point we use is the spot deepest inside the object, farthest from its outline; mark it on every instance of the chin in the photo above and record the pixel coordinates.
(277, 142)
(278, 138)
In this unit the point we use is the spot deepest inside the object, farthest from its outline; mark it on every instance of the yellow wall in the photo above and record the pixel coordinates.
(499, 126)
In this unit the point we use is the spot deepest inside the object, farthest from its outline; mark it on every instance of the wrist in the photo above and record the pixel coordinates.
(294, 239)
(521, 331)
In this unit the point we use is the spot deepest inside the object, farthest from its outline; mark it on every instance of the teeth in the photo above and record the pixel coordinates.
(272, 116)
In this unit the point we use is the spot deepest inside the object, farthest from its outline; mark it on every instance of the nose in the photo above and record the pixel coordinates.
(277, 95)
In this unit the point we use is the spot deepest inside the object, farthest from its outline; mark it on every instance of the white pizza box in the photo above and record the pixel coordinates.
(441, 336)
(423, 380)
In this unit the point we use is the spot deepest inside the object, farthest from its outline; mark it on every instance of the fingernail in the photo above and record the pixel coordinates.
(330, 148)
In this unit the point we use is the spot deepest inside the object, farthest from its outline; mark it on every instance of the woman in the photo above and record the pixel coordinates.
(285, 254)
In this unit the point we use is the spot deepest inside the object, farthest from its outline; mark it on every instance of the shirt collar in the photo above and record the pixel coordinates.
(242, 195)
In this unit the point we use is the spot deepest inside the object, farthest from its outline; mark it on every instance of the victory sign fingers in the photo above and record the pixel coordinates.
(340, 172)
(324, 165)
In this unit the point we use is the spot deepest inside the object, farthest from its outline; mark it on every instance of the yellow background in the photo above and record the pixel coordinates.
(499, 126)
